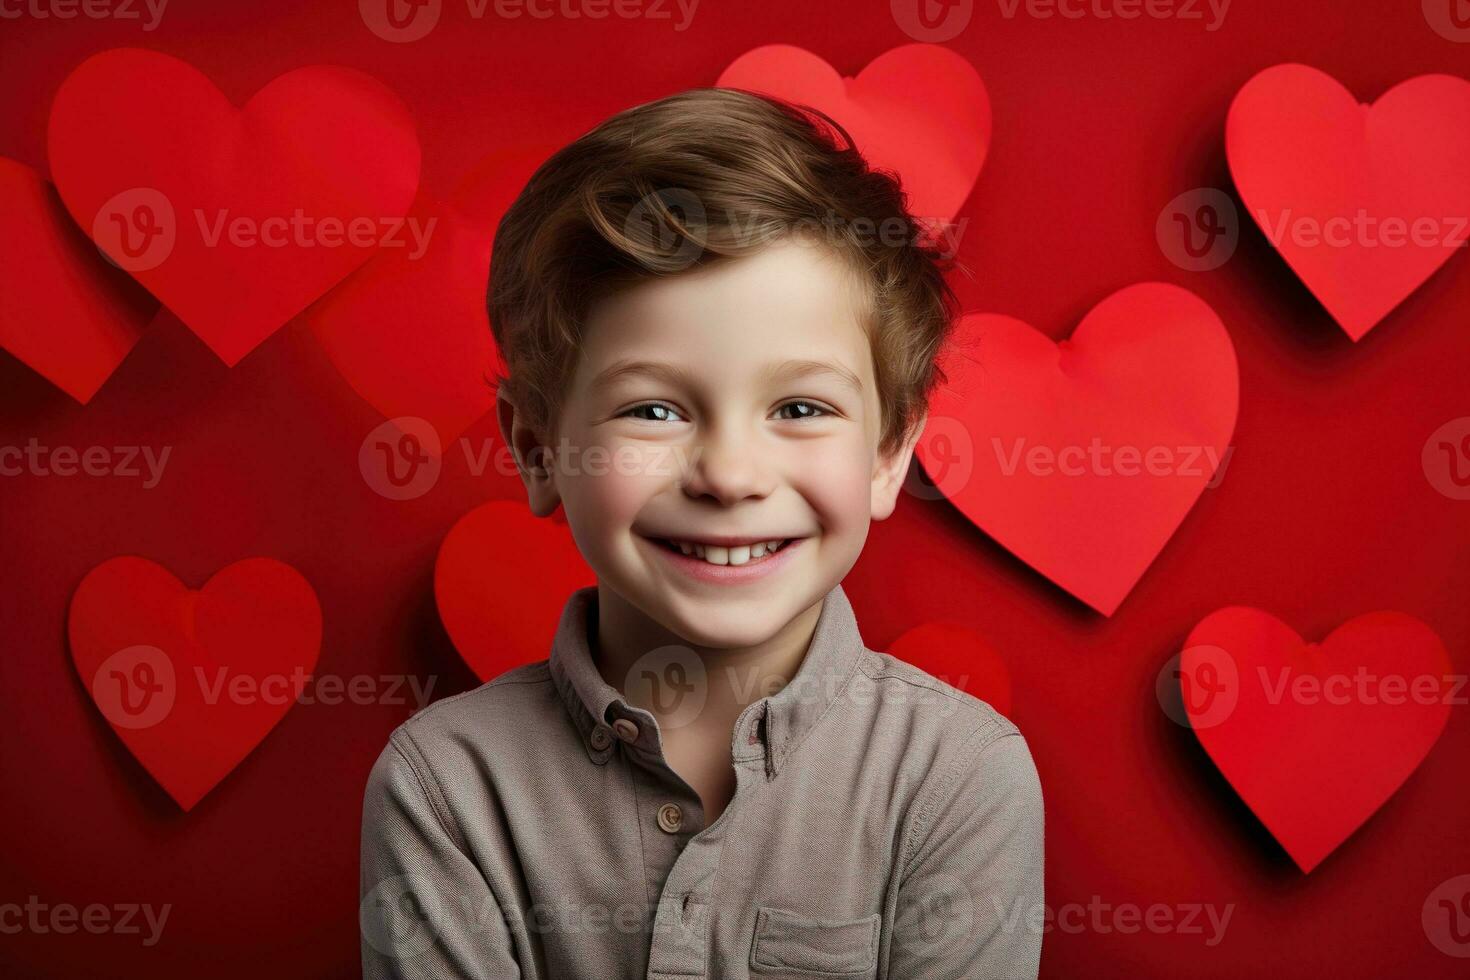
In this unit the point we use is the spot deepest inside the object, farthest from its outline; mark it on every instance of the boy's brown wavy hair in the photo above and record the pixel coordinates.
(699, 176)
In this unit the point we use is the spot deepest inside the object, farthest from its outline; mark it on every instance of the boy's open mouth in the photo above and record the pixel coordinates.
(743, 554)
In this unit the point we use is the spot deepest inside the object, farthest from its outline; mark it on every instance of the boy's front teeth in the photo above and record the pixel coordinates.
(738, 555)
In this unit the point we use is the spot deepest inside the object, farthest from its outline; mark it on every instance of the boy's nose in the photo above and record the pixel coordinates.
(727, 469)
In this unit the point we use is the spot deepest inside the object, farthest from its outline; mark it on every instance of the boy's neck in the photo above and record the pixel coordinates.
(735, 676)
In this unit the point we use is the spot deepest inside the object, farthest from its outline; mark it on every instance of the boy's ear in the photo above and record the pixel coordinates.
(533, 458)
(892, 469)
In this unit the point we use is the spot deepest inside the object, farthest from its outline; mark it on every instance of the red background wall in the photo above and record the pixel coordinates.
(1324, 513)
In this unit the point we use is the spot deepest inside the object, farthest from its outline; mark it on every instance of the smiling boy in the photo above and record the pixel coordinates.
(711, 775)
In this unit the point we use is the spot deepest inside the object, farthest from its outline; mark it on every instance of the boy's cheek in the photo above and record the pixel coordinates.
(602, 504)
(642, 464)
(839, 481)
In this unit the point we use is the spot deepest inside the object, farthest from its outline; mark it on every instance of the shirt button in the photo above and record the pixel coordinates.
(627, 729)
(601, 737)
(670, 818)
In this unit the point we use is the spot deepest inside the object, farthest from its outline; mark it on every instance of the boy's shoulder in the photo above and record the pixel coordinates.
(964, 747)
(519, 701)
(954, 712)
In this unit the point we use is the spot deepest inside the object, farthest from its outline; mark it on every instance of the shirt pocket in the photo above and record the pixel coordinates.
(787, 941)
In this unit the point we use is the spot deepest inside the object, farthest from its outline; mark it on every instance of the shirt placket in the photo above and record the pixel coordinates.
(680, 860)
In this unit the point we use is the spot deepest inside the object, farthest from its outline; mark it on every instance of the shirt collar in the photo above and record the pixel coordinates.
(769, 729)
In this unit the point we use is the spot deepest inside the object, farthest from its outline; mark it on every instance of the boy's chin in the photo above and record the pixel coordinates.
(725, 621)
(735, 635)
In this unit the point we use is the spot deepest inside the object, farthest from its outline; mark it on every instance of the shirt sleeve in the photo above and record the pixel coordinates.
(426, 910)
(970, 900)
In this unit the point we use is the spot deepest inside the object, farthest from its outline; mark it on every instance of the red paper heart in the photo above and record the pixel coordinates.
(1314, 766)
(501, 580)
(64, 310)
(191, 681)
(235, 218)
(960, 657)
(1303, 153)
(919, 110)
(1133, 409)
(411, 334)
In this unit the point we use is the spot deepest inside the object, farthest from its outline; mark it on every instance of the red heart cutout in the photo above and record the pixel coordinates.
(235, 218)
(501, 580)
(191, 681)
(1303, 153)
(960, 657)
(1314, 738)
(410, 333)
(919, 110)
(63, 309)
(1082, 457)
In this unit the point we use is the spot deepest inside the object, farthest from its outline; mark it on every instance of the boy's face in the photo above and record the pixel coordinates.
(754, 415)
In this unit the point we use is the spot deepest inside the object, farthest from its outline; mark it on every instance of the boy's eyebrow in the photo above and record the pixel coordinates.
(775, 371)
(791, 370)
(653, 369)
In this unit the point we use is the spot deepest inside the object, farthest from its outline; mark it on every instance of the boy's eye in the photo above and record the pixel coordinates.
(660, 412)
(811, 410)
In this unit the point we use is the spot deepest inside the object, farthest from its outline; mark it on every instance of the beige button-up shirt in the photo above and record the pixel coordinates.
(884, 825)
